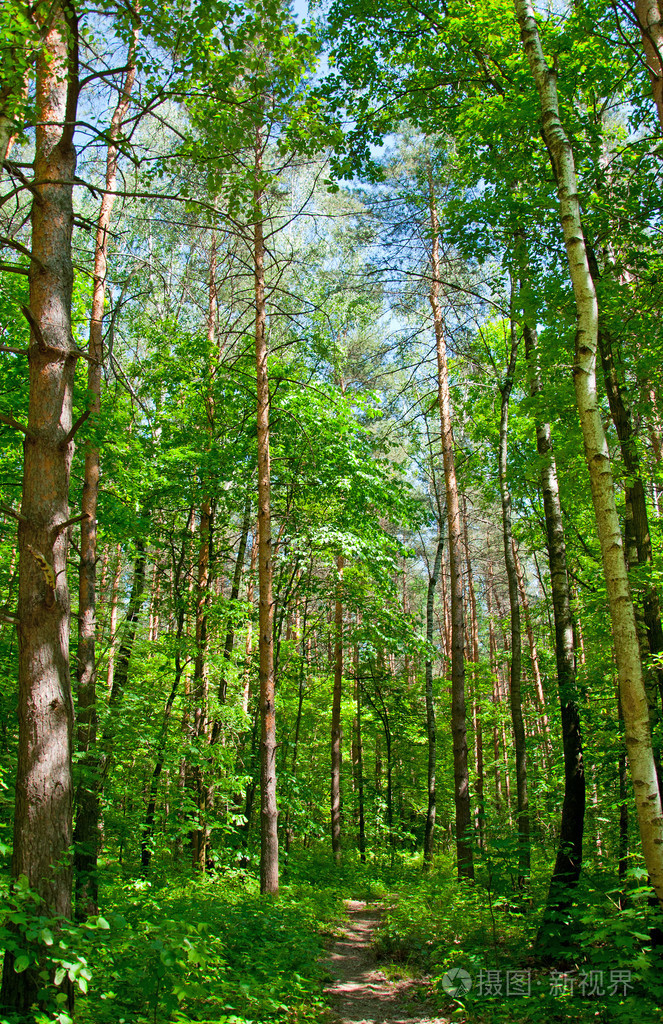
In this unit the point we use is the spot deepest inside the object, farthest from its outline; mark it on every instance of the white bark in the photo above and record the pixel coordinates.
(627, 653)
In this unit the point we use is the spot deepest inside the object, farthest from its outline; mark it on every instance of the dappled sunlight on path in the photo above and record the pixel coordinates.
(360, 993)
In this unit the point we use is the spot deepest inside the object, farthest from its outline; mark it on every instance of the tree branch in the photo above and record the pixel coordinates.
(5, 510)
(14, 351)
(69, 522)
(13, 268)
(11, 244)
(74, 430)
(11, 422)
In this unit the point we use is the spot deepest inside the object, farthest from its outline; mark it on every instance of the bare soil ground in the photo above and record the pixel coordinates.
(360, 993)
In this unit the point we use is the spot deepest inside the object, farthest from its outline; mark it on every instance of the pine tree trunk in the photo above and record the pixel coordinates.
(269, 843)
(44, 792)
(458, 712)
(627, 652)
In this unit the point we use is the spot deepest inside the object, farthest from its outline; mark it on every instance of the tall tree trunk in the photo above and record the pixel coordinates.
(43, 809)
(637, 535)
(648, 13)
(200, 685)
(430, 705)
(269, 842)
(458, 712)
(473, 647)
(86, 832)
(568, 862)
(336, 718)
(627, 651)
(515, 693)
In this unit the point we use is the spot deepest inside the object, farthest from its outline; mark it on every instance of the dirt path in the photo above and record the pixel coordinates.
(360, 993)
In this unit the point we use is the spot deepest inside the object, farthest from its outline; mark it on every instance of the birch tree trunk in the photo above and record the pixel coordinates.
(627, 652)
(648, 13)
(44, 790)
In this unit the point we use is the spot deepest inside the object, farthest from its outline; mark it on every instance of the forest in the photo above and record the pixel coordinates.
(331, 511)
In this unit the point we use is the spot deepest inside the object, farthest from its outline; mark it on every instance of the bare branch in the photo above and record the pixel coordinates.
(6, 511)
(74, 430)
(12, 244)
(69, 522)
(13, 268)
(11, 422)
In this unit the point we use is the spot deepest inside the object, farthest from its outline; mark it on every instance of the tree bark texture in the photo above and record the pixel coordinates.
(44, 792)
(636, 527)
(627, 652)
(458, 712)
(648, 13)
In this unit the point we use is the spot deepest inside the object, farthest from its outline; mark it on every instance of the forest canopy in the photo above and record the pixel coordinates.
(331, 509)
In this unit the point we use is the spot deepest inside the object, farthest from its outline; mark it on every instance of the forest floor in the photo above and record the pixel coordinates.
(360, 991)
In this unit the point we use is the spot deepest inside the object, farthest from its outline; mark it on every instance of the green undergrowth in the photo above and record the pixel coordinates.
(182, 950)
(599, 963)
(209, 951)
